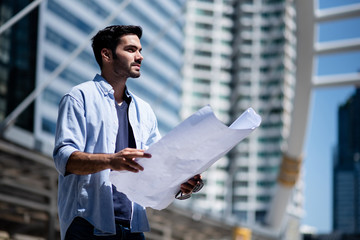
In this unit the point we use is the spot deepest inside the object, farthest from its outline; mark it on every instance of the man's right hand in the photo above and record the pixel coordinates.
(87, 163)
(125, 160)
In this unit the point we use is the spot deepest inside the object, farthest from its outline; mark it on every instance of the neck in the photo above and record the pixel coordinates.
(118, 85)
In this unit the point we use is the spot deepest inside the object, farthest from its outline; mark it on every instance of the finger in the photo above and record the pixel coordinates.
(197, 177)
(135, 153)
(193, 181)
(133, 164)
(193, 184)
(130, 169)
(186, 188)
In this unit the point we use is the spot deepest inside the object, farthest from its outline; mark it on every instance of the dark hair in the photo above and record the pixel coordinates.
(109, 38)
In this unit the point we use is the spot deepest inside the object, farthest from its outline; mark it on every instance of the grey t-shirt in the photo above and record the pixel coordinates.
(125, 138)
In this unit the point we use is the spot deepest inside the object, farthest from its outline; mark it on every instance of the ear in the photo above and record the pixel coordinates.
(106, 54)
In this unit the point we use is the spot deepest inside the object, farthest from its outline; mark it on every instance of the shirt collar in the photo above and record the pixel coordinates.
(127, 95)
(105, 87)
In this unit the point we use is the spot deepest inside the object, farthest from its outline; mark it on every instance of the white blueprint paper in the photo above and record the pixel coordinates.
(189, 149)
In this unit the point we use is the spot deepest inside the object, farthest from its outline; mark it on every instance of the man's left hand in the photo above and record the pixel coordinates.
(194, 184)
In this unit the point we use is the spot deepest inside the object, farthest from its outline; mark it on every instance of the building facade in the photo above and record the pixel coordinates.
(346, 172)
(206, 80)
(264, 78)
(64, 58)
(18, 47)
(241, 54)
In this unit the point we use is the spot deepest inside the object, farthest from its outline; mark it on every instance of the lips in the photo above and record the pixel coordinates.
(136, 65)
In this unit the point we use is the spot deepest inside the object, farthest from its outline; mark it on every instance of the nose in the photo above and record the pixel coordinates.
(139, 56)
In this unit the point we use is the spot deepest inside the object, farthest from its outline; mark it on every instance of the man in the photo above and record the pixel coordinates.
(103, 127)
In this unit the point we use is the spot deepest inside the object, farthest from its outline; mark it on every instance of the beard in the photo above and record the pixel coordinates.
(128, 71)
(134, 73)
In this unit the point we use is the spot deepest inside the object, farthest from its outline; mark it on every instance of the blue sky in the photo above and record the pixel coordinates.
(321, 137)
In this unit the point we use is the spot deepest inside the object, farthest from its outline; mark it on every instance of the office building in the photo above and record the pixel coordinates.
(264, 78)
(206, 80)
(346, 172)
(241, 54)
(62, 40)
(18, 47)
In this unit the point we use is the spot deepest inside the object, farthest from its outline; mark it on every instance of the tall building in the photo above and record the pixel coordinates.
(241, 54)
(264, 78)
(65, 27)
(346, 172)
(206, 80)
(17, 61)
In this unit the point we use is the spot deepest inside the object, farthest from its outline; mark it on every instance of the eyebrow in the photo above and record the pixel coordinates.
(133, 46)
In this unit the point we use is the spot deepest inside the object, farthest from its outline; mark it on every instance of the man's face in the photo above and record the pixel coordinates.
(128, 58)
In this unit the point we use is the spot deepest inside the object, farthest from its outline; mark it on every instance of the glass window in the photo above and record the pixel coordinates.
(227, 29)
(265, 183)
(203, 53)
(276, 111)
(95, 7)
(226, 42)
(220, 197)
(198, 196)
(265, 69)
(68, 75)
(59, 10)
(246, 55)
(69, 46)
(241, 198)
(59, 40)
(241, 215)
(278, 41)
(266, 125)
(243, 169)
(203, 12)
(273, 1)
(247, 42)
(48, 126)
(201, 39)
(241, 183)
(202, 67)
(270, 55)
(204, 26)
(263, 198)
(51, 96)
(266, 168)
(247, 15)
(260, 215)
(202, 81)
(220, 183)
(201, 95)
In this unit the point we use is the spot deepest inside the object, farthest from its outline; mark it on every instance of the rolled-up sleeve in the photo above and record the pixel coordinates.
(70, 131)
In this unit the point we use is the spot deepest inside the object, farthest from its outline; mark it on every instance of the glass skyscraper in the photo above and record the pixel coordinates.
(346, 172)
(264, 78)
(206, 80)
(62, 28)
(17, 61)
(241, 54)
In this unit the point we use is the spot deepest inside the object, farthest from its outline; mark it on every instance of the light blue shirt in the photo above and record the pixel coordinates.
(87, 122)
